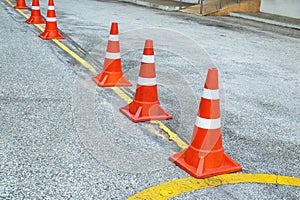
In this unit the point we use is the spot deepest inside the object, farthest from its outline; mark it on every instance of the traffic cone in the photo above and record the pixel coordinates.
(112, 74)
(51, 30)
(205, 155)
(21, 4)
(145, 105)
(35, 17)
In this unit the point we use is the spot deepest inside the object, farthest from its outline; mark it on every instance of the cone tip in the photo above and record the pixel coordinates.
(51, 3)
(213, 69)
(114, 28)
(148, 48)
(149, 43)
(35, 3)
(212, 79)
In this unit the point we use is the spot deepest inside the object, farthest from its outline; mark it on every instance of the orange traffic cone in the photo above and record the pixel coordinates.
(205, 155)
(21, 4)
(145, 105)
(112, 74)
(35, 17)
(51, 30)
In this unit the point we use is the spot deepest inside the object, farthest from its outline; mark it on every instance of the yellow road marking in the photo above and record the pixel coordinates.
(127, 92)
(173, 188)
(10, 3)
(61, 45)
(121, 94)
(172, 136)
(18, 10)
(155, 131)
(74, 55)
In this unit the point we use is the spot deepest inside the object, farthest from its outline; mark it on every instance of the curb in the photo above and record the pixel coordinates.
(267, 21)
(154, 5)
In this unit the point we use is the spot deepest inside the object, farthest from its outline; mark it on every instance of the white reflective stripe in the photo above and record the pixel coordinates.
(210, 94)
(208, 123)
(50, 7)
(146, 81)
(35, 7)
(113, 37)
(112, 55)
(148, 59)
(51, 19)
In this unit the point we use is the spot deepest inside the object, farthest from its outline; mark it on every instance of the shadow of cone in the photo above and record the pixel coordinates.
(205, 155)
(21, 4)
(51, 30)
(145, 105)
(112, 75)
(35, 17)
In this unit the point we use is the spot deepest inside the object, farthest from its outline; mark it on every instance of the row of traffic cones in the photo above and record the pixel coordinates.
(145, 105)
(205, 155)
(51, 31)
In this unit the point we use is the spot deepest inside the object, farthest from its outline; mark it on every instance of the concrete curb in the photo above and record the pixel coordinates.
(267, 21)
(154, 5)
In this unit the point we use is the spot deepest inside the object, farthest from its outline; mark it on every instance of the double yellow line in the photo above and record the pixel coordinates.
(121, 92)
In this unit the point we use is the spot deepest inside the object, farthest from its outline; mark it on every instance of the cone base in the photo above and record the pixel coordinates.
(111, 80)
(51, 34)
(20, 7)
(35, 20)
(228, 166)
(136, 118)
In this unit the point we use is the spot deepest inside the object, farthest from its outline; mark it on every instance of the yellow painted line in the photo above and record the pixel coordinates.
(74, 55)
(127, 92)
(172, 136)
(39, 27)
(10, 3)
(156, 132)
(61, 45)
(121, 94)
(173, 188)
(18, 10)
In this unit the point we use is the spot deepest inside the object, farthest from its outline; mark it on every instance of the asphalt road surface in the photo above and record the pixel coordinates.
(62, 137)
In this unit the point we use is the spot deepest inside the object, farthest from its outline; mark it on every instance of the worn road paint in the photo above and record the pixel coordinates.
(176, 187)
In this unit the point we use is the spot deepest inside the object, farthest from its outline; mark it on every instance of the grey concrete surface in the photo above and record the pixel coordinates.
(167, 5)
(269, 19)
(63, 137)
(289, 8)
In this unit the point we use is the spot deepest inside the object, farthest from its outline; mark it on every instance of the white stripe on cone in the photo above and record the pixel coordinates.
(146, 81)
(208, 123)
(51, 19)
(148, 59)
(110, 55)
(50, 7)
(113, 37)
(35, 7)
(210, 94)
